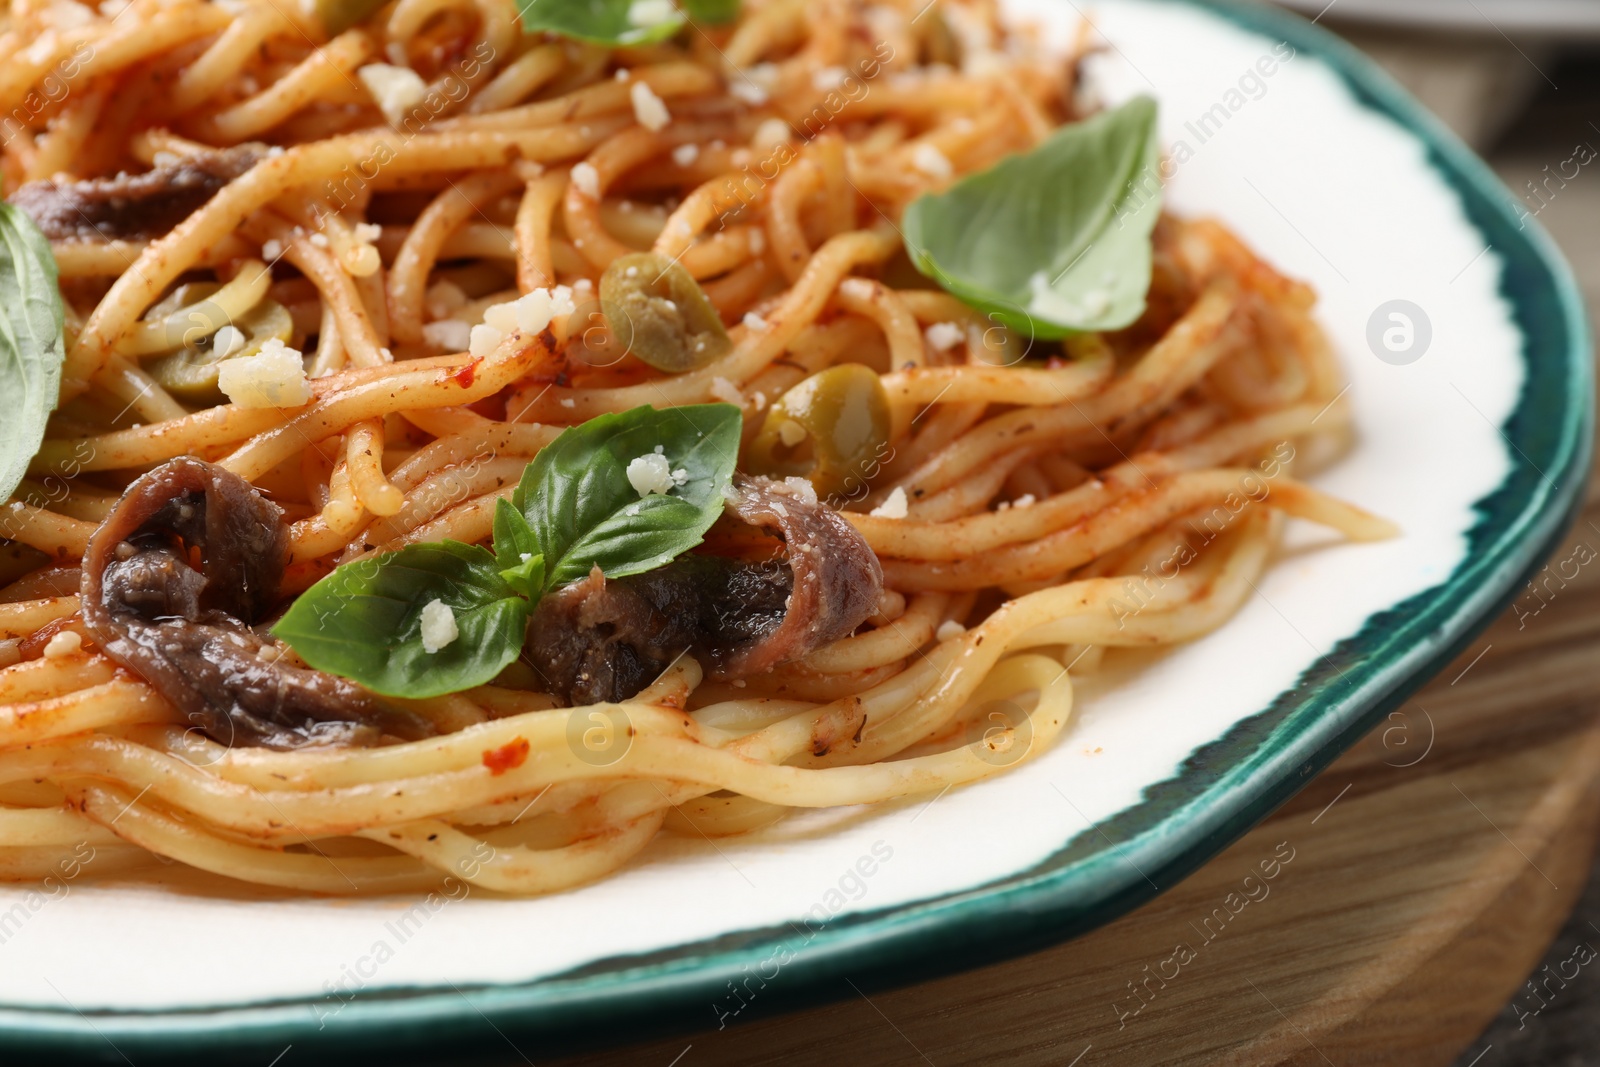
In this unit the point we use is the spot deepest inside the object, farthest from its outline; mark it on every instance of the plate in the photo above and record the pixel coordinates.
(1474, 434)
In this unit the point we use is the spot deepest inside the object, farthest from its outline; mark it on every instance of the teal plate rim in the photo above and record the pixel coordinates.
(1268, 757)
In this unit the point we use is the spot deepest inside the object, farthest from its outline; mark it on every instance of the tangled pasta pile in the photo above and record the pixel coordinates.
(363, 187)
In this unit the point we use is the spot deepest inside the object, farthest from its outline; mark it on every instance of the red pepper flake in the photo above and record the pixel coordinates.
(464, 377)
(508, 757)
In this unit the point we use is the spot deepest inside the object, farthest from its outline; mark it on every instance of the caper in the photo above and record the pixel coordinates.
(191, 372)
(832, 428)
(337, 16)
(657, 311)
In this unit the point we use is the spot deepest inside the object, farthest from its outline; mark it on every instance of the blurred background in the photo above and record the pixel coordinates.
(1519, 81)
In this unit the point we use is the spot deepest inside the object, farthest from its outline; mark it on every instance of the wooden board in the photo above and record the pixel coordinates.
(1415, 884)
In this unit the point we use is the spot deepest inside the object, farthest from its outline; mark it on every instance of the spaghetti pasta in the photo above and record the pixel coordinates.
(1018, 486)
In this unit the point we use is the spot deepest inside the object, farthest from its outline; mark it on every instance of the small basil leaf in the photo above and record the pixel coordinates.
(605, 22)
(1056, 239)
(364, 621)
(513, 539)
(584, 512)
(31, 349)
(526, 576)
(712, 12)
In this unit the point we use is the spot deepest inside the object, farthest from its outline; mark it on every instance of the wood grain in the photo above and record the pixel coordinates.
(1430, 867)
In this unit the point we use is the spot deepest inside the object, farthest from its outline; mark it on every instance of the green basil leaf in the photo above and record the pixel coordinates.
(364, 621)
(712, 12)
(1056, 239)
(512, 536)
(584, 512)
(617, 22)
(526, 577)
(31, 349)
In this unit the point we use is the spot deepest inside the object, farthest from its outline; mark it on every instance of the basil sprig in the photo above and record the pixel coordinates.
(1056, 239)
(31, 349)
(618, 22)
(574, 509)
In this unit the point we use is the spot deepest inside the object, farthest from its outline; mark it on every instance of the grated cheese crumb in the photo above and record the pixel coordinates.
(857, 288)
(1024, 501)
(753, 321)
(483, 340)
(771, 133)
(587, 180)
(829, 78)
(943, 336)
(895, 507)
(727, 392)
(685, 154)
(801, 489)
(948, 629)
(65, 643)
(274, 377)
(229, 340)
(791, 433)
(368, 232)
(442, 298)
(650, 474)
(932, 162)
(272, 250)
(396, 90)
(648, 108)
(438, 626)
(448, 335)
(319, 240)
(746, 91)
(647, 13)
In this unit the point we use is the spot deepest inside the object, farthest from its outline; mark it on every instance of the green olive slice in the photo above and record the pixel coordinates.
(337, 16)
(191, 372)
(657, 311)
(832, 428)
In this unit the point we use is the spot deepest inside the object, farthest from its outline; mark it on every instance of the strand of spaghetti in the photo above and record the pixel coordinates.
(610, 161)
(876, 301)
(323, 71)
(408, 275)
(593, 102)
(161, 833)
(364, 442)
(122, 449)
(1030, 386)
(794, 185)
(50, 533)
(519, 79)
(28, 827)
(532, 229)
(204, 78)
(885, 644)
(166, 258)
(124, 46)
(119, 702)
(48, 676)
(1125, 519)
(29, 616)
(1191, 347)
(515, 869)
(67, 134)
(401, 390)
